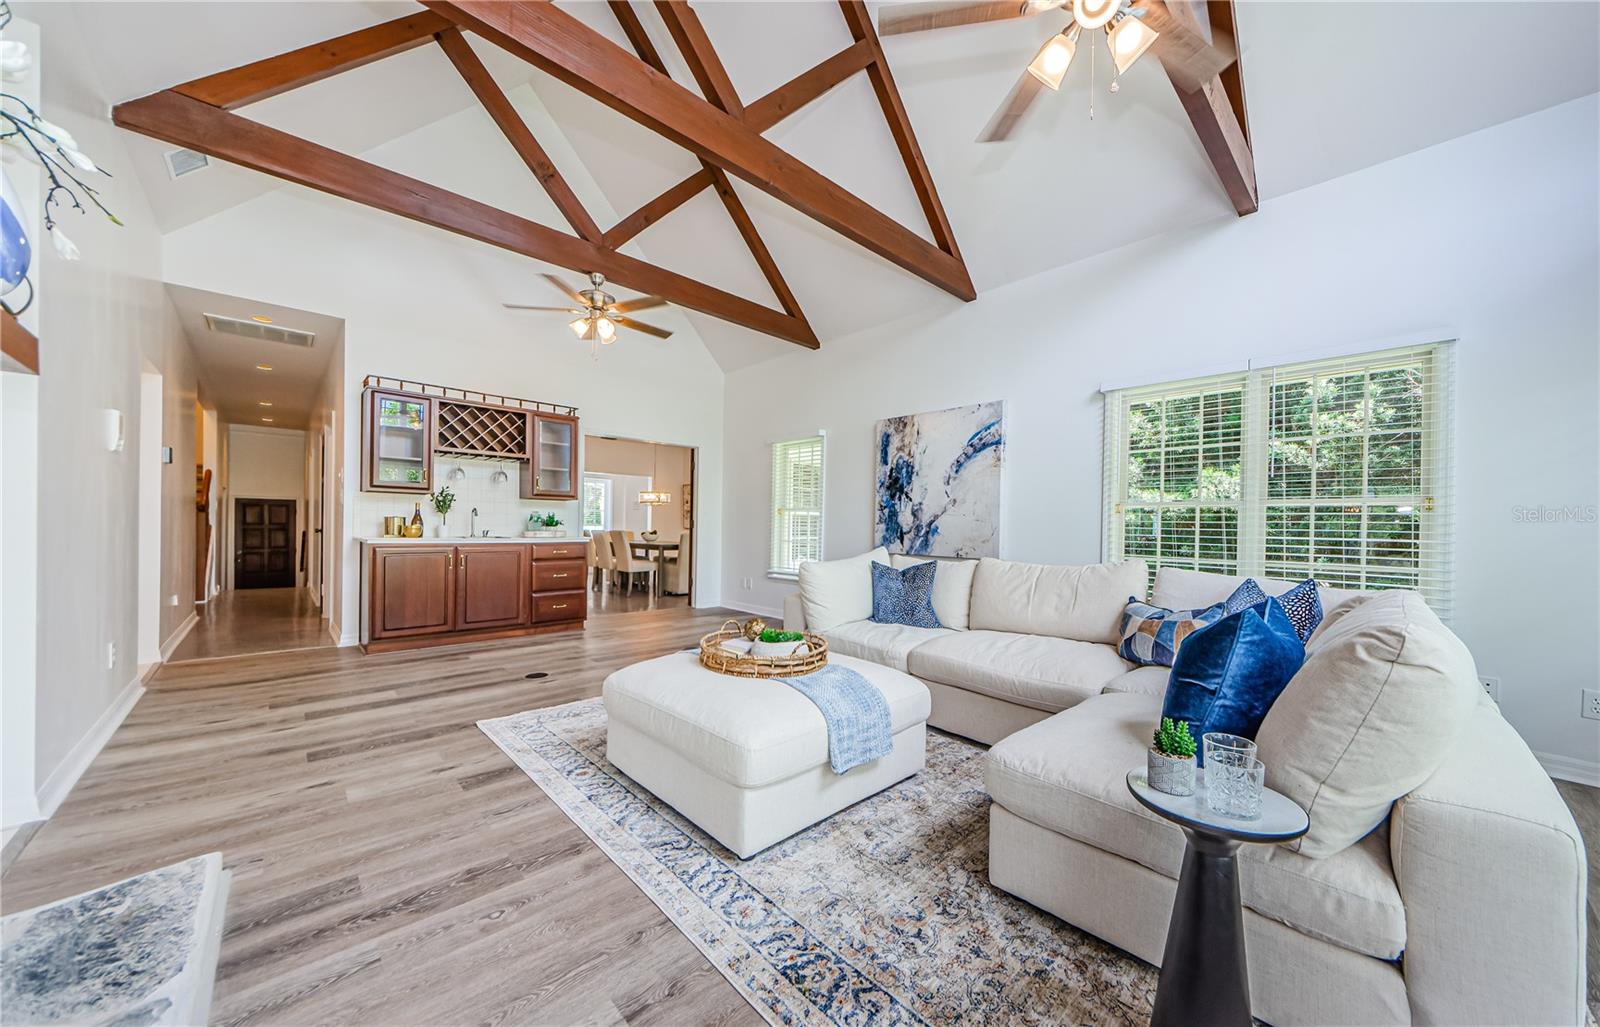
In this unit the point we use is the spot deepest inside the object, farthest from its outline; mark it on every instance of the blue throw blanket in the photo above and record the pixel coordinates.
(856, 713)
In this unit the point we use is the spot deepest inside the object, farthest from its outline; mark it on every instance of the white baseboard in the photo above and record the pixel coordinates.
(759, 611)
(66, 774)
(178, 636)
(1583, 772)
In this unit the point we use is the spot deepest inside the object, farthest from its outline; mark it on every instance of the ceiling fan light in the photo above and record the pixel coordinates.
(1130, 38)
(1050, 64)
(581, 327)
(1091, 14)
(605, 329)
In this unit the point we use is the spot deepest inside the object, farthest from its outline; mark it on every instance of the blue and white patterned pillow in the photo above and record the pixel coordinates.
(1301, 603)
(904, 597)
(1151, 635)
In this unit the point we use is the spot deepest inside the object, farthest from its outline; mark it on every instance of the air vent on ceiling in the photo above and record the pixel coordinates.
(255, 330)
(186, 162)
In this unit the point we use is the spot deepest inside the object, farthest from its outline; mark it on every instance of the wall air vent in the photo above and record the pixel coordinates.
(186, 162)
(263, 332)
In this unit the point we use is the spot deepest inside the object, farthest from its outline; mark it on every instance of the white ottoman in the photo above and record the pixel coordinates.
(746, 759)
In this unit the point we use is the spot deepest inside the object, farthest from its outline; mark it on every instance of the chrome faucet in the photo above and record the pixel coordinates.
(473, 531)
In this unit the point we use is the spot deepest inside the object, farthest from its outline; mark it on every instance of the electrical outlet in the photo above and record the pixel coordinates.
(172, 600)
(1491, 688)
(111, 656)
(1591, 703)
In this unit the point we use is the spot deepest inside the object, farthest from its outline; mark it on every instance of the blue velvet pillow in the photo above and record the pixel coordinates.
(904, 597)
(1151, 635)
(1226, 677)
(1301, 603)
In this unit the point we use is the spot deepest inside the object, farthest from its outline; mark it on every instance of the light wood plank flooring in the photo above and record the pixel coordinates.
(391, 865)
(254, 620)
(1585, 805)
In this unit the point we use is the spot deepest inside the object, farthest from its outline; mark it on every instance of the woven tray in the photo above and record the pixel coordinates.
(714, 657)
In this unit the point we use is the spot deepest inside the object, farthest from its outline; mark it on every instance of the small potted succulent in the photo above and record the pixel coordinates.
(443, 500)
(774, 643)
(546, 525)
(1171, 758)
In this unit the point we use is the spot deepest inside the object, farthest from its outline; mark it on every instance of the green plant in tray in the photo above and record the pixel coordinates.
(774, 635)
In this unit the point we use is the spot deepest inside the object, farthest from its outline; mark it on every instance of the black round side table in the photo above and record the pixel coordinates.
(1204, 975)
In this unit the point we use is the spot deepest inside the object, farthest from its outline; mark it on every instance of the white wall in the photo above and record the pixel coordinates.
(1492, 234)
(265, 463)
(424, 305)
(100, 320)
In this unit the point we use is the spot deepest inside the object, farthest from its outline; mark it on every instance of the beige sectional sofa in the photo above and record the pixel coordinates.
(1465, 904)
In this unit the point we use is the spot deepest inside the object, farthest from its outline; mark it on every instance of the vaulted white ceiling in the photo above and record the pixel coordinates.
(1331, 88)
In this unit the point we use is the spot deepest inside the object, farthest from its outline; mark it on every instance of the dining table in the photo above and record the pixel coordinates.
(656, 551)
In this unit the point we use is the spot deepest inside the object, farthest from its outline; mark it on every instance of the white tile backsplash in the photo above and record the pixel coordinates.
(501, 508)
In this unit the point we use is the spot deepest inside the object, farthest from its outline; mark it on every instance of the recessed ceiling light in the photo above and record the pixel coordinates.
(263, 402)
(267, 420)
(260, 320)
(263, 367)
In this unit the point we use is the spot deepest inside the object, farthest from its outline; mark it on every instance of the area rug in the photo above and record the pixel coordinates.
(882, 914)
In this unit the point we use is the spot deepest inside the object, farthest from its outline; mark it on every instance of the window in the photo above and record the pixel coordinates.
(596, 504)
(796, 504)
(1336, 469)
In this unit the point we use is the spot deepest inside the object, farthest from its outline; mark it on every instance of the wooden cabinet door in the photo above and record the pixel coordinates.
(397, 441)
(492, 587)
(559, 575)
(557, 607)
(554, 460)
(413, 591)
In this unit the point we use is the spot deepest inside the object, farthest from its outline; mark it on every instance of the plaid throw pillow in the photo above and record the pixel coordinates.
(1151, 635)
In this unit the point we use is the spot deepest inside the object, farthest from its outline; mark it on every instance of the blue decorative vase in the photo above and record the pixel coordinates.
(16, 253)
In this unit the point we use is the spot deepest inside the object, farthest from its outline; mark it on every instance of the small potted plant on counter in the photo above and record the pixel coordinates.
(1171, 758)
(546, 525)
(443, 500)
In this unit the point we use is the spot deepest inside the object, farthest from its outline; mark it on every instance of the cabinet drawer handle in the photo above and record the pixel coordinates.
(558, 552)
(561, 575)
(558, 606)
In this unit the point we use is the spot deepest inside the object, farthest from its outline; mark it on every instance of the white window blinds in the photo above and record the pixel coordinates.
(796, 504)
(1335, 469)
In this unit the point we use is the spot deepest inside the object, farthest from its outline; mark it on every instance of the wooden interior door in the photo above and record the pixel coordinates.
(492, 590)
(413, 591)
(263, 543)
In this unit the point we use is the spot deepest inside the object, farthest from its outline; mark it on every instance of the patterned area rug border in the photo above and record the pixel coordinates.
(971, 954)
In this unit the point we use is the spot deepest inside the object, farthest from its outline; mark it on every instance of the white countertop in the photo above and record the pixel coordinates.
(391, 540)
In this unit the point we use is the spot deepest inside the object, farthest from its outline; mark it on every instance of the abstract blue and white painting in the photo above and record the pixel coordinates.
(938, 482)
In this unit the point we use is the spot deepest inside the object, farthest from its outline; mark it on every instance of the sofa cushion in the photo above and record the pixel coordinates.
(1083, 603)
(904, 597)
(1371, 715)
(746, 731)
(1178, 588)
(1031, 670)
(888, 644)
(1228, 675)
(1068, 774)
(838, 591)
(952, 587)
(1141, 681)
(1302, 603)
(1152, 634)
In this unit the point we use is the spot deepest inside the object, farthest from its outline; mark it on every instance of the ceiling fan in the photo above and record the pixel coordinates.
(1129, 35)
(599, 315)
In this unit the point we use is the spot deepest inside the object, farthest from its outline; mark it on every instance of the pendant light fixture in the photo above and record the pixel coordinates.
(651, 497)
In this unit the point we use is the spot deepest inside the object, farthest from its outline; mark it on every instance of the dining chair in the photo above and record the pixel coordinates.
(591, 547)
(629, 566)
(605, 559)
(679, 566)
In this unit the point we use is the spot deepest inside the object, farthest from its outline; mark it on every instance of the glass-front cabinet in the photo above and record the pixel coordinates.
(398, 456)
(554, 464)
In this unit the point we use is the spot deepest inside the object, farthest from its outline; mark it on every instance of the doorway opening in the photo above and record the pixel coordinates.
(638, 513)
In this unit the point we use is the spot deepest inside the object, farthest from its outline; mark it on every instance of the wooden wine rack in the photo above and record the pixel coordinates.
(471, 430)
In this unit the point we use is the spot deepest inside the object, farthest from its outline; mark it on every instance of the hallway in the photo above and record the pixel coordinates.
(245, 622)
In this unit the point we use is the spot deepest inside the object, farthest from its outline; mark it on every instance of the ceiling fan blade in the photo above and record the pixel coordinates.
(553, 310)
(1189, 57)
(1012, 109)
(640, 326)
(893, 21)
(642, 303)
(566, 290)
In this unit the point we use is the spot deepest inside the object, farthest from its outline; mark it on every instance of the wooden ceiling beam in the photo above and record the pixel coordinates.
(807, 86)
(1215, 109)
(657, 208)
(563, 46)
(859, 21)
(700, 55)
(517, 133)
(181, 120)
(274, 75)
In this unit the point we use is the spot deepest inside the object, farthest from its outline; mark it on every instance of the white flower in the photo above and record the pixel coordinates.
(15, 60)
(79, 159)
(60, 136)
(64, 246)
